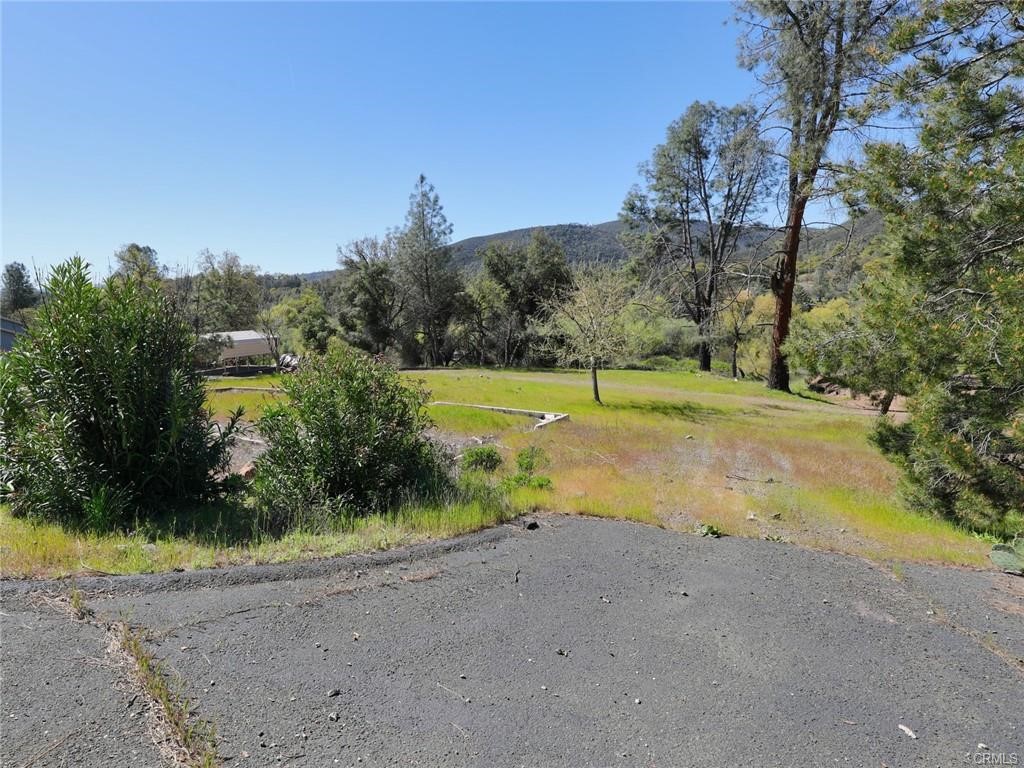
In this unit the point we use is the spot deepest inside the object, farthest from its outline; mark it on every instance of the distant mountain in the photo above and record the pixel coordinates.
(582, 242)
(831, 257)
(316, 277)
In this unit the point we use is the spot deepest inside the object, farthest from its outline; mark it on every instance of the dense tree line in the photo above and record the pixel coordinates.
(402, 294)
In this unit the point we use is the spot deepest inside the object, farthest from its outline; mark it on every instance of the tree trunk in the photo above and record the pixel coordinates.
(704, 356)
(886, 402)
(735, 354)
(593, 381)
(783, 283)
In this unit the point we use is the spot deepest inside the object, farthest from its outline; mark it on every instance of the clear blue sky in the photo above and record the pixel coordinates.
(280, 131)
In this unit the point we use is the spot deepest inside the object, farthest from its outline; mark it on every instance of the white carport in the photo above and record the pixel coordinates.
(236, 345)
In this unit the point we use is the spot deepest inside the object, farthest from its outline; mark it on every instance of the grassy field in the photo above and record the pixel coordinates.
(681, 449)
(669, 449)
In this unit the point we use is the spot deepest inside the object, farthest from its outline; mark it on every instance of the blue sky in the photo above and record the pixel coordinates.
(280, 131)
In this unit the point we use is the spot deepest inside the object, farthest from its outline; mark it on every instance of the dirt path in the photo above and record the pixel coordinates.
(580, 643)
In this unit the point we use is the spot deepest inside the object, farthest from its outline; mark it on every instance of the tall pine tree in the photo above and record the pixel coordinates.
(952, 202)
(816, 60)
(430, 278)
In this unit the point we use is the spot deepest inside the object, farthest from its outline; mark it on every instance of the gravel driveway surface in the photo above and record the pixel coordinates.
(580, 643)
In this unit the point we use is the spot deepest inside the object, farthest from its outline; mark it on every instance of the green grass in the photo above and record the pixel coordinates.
(265, 380)
(668, 448)
(224, 402)
(674, 448)
(30, 549)
(192, 740)
(477, 422)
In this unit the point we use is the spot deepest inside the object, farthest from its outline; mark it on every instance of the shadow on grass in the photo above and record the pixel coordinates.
(222, 523)
(686, 410)
(815, 398)
(777, 407)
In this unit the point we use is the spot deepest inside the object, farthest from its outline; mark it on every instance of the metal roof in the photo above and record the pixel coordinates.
(236, 335)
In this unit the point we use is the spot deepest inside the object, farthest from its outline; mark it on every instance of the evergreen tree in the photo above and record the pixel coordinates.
(427, 273)
(816, 60)
(18, 291)
(952, 205)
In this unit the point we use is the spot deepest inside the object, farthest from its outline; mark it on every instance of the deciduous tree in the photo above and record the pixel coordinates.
(138, 261)
(595, 322)
(18, 291)
(373, 298)
(229, 294)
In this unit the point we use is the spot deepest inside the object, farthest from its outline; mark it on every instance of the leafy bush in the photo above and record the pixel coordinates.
(528, 461)
(708, 530)
(481, 457)
(346, 440)
(103, 416)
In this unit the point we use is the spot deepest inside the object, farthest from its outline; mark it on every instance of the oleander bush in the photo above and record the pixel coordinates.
(103, 421)
(346, 441)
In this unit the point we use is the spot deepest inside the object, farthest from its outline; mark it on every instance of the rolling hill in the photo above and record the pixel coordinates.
(582, 242)
(831, 258)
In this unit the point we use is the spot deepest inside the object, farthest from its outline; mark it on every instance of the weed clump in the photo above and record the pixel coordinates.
(484, 458)
(528, 461)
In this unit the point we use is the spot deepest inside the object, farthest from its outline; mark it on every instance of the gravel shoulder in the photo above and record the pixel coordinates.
(581, 643)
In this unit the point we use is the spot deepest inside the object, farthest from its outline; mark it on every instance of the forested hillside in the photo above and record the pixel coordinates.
(835, 255)
(581, 243)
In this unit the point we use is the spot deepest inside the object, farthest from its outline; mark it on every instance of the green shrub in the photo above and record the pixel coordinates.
(528, 461)
(346, 440)
(1009, 557)
(706, 529)
(482, 457)
(102, 416)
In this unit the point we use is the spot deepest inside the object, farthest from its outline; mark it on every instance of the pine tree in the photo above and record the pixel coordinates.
(426, 270)
(952, 205)
(815, 60)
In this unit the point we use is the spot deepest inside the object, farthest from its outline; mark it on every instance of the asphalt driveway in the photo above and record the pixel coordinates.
(580, 643)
